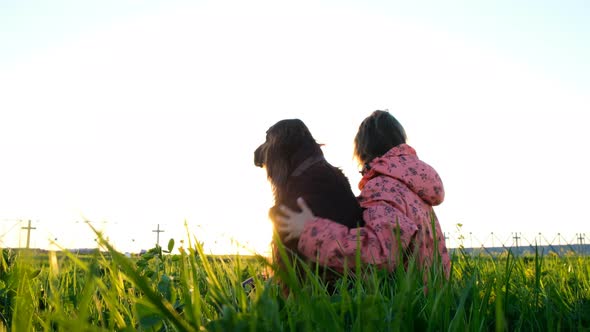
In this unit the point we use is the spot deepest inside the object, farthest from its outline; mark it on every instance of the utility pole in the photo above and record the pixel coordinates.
(581, 241)
(581, 238)
(158, 231)
(28, 228)
(516, 237)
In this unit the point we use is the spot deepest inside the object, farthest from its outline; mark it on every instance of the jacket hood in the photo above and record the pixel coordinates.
(402, 163)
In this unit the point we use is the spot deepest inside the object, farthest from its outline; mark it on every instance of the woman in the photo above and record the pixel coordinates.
(398, 191)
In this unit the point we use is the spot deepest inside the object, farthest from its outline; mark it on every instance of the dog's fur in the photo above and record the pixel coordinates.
(295, 168)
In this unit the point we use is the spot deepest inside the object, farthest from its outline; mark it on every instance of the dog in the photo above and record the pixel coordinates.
(296, 167)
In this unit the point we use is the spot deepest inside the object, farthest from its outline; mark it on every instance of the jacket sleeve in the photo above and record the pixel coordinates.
(329, 243)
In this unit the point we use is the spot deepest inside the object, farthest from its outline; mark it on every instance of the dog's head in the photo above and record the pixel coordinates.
(283, 140)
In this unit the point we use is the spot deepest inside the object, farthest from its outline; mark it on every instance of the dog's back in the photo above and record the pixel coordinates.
(327, 192)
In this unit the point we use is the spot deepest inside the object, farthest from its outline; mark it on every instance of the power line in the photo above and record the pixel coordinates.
(10, 229)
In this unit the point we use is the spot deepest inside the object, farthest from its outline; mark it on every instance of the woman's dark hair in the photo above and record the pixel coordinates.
(377, 134)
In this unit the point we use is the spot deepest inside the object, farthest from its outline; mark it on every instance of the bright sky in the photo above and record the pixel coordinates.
(132, 114)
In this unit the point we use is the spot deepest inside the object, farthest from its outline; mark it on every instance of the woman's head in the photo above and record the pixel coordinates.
(377, 134)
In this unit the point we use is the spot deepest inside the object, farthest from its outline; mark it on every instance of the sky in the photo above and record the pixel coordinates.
(134, 115)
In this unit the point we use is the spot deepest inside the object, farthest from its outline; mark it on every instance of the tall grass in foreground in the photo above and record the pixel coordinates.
(191, 291)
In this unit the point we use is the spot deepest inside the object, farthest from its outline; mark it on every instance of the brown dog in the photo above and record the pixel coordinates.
(296, 167)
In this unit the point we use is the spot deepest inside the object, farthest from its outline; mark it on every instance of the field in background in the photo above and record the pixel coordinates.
(183, 289)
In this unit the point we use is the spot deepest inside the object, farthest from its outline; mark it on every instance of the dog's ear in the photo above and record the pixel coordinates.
(283, 140)
(277, 161)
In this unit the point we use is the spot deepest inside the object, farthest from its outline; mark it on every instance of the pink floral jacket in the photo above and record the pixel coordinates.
(399, 189)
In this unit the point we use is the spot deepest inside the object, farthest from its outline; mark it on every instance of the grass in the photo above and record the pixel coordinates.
(184, 289)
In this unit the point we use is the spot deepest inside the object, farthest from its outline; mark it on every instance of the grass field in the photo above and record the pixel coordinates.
(182, 289)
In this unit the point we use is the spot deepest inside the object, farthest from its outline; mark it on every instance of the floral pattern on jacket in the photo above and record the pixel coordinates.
(397, 194)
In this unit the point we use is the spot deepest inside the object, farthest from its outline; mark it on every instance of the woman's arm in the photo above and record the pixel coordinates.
(334, 245)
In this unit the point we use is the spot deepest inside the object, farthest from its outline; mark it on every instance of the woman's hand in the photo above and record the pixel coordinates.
(291, 225)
